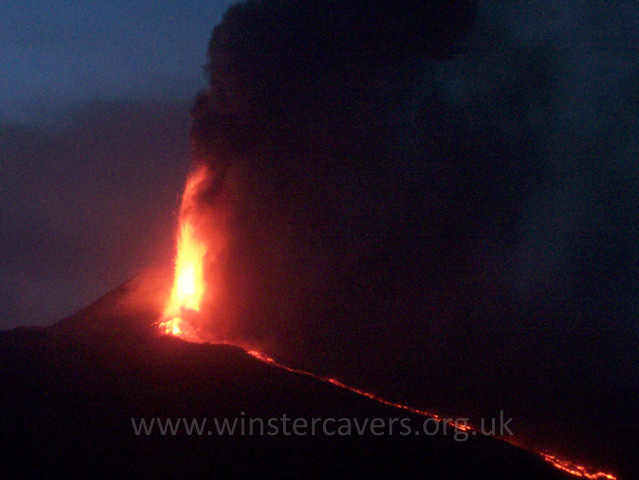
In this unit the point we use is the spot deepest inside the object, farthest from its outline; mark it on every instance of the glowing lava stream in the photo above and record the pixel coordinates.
(189, 288)
(564, 465)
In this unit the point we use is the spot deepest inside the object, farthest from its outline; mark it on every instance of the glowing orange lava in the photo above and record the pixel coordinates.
(189, 289)
(575, 469)
(188, 284)
(561, 464)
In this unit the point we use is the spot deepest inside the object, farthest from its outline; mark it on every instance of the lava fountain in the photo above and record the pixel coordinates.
(187, 294)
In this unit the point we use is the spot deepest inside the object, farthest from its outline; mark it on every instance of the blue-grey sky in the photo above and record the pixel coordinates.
(56, 53)
(94, 119)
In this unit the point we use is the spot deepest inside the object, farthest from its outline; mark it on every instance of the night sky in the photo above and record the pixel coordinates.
(93, 143)
(510, 208)
(95, 99)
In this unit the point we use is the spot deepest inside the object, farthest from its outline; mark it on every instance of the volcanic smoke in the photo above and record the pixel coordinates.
(184, 304)
(304, 102)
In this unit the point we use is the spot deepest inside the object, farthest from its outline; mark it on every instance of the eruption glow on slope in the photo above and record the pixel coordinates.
(567, 466)
(189, 288)
(188, 284)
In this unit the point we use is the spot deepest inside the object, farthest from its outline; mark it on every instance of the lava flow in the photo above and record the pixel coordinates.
(574, 469)
(188, 284)
(561, 464)
(189, 289)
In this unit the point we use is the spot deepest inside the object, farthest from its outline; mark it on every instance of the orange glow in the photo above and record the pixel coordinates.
(188, 284)
(575, 469)
(561, 464)
(190, 288)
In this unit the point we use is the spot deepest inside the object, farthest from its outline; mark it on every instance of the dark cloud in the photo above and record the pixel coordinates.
(435, 226)
(279, 61)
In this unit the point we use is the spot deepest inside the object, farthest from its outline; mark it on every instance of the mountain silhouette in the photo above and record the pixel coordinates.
(74, 394)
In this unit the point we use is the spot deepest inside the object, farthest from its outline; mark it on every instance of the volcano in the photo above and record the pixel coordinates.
(90, 396)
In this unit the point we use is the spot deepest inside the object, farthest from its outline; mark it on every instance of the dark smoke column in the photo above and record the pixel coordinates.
(274, 63)
(300, 124)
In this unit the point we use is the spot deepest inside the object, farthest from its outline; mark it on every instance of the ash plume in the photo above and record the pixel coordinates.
(421, 193)
(281, 70)
(303, 104)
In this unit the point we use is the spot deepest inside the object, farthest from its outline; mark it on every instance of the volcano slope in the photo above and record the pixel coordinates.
(74, 392)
